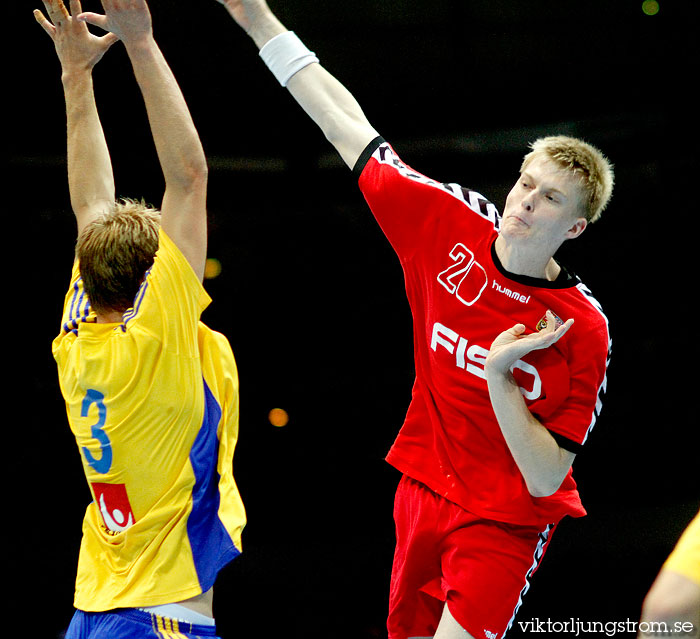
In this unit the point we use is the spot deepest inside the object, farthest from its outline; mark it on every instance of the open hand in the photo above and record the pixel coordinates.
(129, 20)
(512, 344)
(77, 48)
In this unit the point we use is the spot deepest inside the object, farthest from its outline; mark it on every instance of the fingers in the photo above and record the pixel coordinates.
(58, 15)
(44, 23)
(552, 322)
(518, 329)
(93, 18)
(56, 11)
(563, 328)
(555, 329)
(75, 7)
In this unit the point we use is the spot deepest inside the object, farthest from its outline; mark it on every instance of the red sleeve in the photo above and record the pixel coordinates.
(577, 416)
(587, 363)
(404, 201)
(571, 375)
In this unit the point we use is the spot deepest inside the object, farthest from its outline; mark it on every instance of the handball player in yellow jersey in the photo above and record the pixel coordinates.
(151, 392)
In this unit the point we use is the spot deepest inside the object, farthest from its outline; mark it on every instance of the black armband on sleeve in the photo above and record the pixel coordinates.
(366, 155)
(566, 443)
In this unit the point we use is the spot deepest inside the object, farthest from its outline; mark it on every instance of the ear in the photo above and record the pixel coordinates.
(578, 227)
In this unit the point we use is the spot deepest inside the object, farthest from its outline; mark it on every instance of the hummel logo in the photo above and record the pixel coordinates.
(512, 294)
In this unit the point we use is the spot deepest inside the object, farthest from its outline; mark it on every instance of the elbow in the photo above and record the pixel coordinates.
(334, 125)
(546, 479)
(342, 127)
(87, 209)
(193, 176)
(197, 173)
(540, 491)
(543, 488)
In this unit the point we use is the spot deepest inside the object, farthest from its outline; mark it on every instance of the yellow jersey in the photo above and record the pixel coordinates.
(153, 404)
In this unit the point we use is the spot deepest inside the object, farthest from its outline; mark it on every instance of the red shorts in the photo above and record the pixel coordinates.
(444, 553)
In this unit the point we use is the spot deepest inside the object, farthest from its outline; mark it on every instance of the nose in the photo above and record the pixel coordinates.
(526, 203)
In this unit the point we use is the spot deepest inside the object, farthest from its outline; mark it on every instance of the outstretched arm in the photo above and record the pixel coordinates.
(542, 462)
(329, 104)
(90, 178)
(181, 156)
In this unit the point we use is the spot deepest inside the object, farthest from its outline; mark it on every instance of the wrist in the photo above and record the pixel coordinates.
(285, 55)
(264, 26)
(140, 44)
(71, 75)
(497, 376)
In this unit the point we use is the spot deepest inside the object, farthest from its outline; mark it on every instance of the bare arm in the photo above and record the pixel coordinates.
(673, 599)
(181, 156)
(325, 100)
(542, 462)
(90, 177)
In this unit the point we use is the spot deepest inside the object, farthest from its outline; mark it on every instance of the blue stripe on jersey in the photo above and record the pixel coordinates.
(212, 546)
(76, 302)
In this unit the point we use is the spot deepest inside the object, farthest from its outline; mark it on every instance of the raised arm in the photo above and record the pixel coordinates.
(90, 178)
(329, 104)
(181, 156)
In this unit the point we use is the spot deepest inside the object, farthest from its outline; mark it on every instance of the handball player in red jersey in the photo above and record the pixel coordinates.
(507, 388)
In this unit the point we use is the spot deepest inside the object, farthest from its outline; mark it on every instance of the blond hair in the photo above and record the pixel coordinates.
(114, 251)
(594, 170)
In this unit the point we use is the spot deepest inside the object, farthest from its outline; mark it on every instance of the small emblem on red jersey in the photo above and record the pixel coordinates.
(114, 506)
(542, 324)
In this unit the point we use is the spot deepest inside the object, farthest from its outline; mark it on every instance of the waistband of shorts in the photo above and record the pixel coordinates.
(154, 621)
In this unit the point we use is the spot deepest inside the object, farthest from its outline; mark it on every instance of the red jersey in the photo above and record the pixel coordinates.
(461, 298)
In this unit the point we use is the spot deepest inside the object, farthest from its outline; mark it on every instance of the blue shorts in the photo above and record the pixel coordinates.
(133, 624)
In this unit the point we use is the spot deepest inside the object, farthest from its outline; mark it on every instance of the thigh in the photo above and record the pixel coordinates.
(414, 601)
(449, 628)
(487, 568)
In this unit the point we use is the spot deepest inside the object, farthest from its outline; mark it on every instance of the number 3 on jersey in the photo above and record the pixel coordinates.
(466, 279)
(104, 462)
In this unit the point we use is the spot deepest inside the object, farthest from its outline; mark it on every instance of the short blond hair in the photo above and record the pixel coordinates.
(594, 170)
(114, 252)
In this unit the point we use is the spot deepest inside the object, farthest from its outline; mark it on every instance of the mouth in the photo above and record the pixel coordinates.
(518, 219)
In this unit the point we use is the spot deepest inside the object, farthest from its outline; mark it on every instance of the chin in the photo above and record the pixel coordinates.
(512, 229)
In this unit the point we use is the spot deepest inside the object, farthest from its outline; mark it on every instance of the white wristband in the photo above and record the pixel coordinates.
(285, 55)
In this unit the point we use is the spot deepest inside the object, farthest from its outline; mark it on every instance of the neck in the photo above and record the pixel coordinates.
(109, 317)
(520, 261)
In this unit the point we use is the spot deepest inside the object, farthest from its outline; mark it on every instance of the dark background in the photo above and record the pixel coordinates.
(311, 295)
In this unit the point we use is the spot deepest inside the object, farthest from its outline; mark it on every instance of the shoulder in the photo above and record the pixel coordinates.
(379, 168)
(170, 295)
(591, 328)
(170, 263)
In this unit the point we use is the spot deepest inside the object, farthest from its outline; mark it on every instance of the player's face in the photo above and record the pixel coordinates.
(543, 206)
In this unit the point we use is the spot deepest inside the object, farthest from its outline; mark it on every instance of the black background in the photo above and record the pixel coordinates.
(311, 295)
